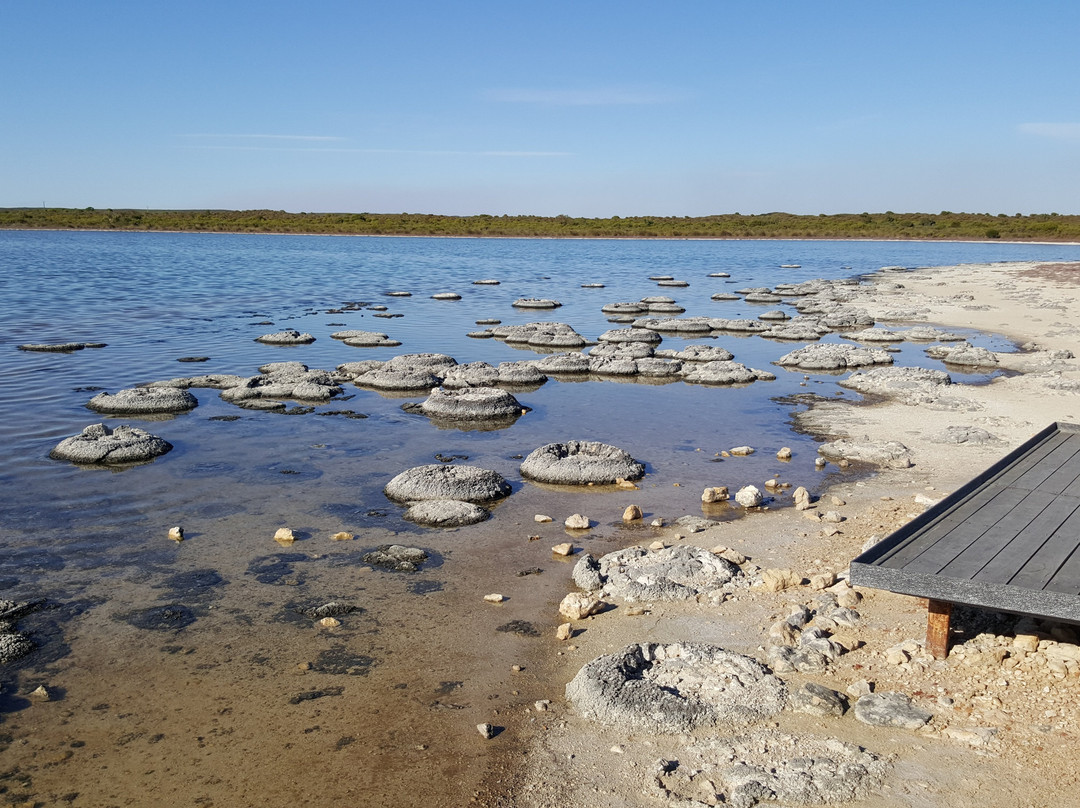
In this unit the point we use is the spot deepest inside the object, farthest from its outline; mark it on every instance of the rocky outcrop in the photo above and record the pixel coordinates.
(580, 463)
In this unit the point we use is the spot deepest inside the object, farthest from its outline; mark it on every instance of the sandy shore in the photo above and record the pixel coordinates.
(1003, 733)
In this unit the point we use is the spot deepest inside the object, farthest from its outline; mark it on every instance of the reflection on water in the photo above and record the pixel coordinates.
(194, 668)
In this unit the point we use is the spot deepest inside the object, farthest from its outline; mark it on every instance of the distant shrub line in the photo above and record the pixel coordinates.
(915, 226)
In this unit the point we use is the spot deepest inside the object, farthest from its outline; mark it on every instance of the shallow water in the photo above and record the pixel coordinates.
(188, 668)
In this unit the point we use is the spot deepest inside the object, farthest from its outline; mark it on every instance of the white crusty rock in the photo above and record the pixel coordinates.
(98, 443)
(579, 605)
(438, 481)
(143, 401)
(749, 497)
(675, 688)
(580, 463)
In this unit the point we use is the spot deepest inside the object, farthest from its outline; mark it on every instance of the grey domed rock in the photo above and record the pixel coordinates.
(737, 324)
(143, 401)
(674, 284)
(520, 374)
(613, 366)
(874, 335)
(399, 294)
(830, 356)
(698, 353)
(657, 368)
(774, 314)
(438, 481)
(541, 336)
(675, 688)
(886, 453)
(446, 296)
(471, 374)
(637, 575)
(58, 347)
(365, 339)
(535, 303)
(402, 380)
(679, 325)
(471, 404)
(291, 380)
(580, 463)
(631, 335)
(964, 354)
(912, 385)
(486, 282)
(396, 557)
(621, 350)
(726, 296)
(624, 308)
(720, 372)
(446, 513)
(665, 308)
(800, 329)
(289, 336)
(218, 381)
(655, 299)
(925, 333)
(430, 361)
(762, 297)
(98, 443)
(564, 363)
(719, 274)
(962, 434)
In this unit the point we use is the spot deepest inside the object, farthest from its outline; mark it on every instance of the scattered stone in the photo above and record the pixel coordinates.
(329, 622)
(626, 485)
(343, 536)
(818, 700)
(446, 296)
(784, 454)
(284, 535)
(542, 705)
(831, 356)
(822, 580)
(675, 688)
(741, 451)
(632, 513)
(890, 709)
(176, 533)
(832, 516)
(542, 518)
(438, 481)
(860, 688)
(535, 303)
(715, 494)
(777, 580)
(487, 731)
(58, 347)
(580, 463)
(962, 435)
(99, 443)
(565, 631)
(564, 549)
(577, 522)
(41, 693)
(494, 598)
(749, 497)
(579, 605)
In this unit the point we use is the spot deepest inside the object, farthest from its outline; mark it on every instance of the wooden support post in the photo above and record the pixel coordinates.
(937, 627)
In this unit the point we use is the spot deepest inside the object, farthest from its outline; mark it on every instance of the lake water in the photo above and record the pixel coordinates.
(237, 698)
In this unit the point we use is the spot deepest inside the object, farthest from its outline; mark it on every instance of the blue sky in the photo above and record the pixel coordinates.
(583, 108)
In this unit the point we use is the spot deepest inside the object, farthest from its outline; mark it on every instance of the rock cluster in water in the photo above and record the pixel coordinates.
(99, 443)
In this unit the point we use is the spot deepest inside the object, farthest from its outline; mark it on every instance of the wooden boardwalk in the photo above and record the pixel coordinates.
(1009, 540)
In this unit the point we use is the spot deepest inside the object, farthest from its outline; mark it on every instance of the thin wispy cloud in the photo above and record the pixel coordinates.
(596, 97)
(1057, 131)
(259, 136)
(347, 150)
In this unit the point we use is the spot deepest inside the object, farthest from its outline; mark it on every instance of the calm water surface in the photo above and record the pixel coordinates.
(237, 698)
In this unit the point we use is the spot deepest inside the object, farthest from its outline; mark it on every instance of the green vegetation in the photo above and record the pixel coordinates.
(944, 226)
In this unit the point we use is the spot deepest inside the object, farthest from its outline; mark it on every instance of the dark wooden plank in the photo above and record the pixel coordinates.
(980, 505)
(1004, 514)
(1067, 579)
(1026, 543)
(989, 541)
(1037, 475)
(1049, 558)
(1065, 475)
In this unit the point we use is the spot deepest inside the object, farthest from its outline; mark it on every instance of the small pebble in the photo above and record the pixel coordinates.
(284, 536)
(176, 533)
(494, 598)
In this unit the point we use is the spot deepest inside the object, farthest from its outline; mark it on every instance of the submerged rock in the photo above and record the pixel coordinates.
(98, 443)
(396, 557)
(446, 513)
(465, 483)
(289, 336)
(580, 463)
(830, 356)
(675, 688)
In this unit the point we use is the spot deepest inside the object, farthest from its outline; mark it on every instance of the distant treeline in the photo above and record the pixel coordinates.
(888, 225)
